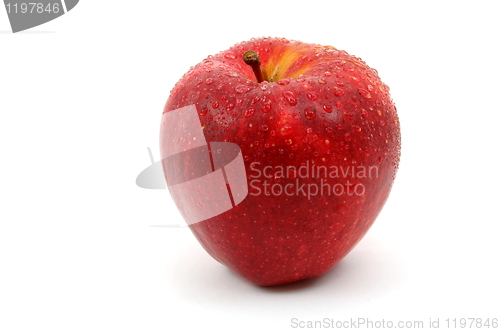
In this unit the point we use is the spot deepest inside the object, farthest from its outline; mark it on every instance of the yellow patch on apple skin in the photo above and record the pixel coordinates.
(282, 61)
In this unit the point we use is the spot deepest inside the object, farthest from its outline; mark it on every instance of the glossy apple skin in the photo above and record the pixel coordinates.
(327, 108)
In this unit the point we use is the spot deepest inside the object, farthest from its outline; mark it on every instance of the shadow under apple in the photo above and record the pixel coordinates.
(370, 271)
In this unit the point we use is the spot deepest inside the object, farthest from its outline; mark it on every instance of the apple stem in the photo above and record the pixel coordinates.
(252, 59)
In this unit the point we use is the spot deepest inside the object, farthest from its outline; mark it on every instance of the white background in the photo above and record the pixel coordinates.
(81, 100)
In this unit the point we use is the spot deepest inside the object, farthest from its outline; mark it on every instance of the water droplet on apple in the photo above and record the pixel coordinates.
(328, 74)
(346, 137)
(204, 111)
(329, 130)
(209, 81)
(266, 107)
(364, 113)
(215, 104)
(286, 129)
(310, 113)
(283, 81)
(248, 112)
(327, 108)
(230, 55)
(242, 89)
(339, 92)
(312, 95)
(365, 93)
(264, 127)
(290, 97)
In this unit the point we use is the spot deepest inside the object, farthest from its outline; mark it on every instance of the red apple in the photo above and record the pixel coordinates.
(316, 138)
